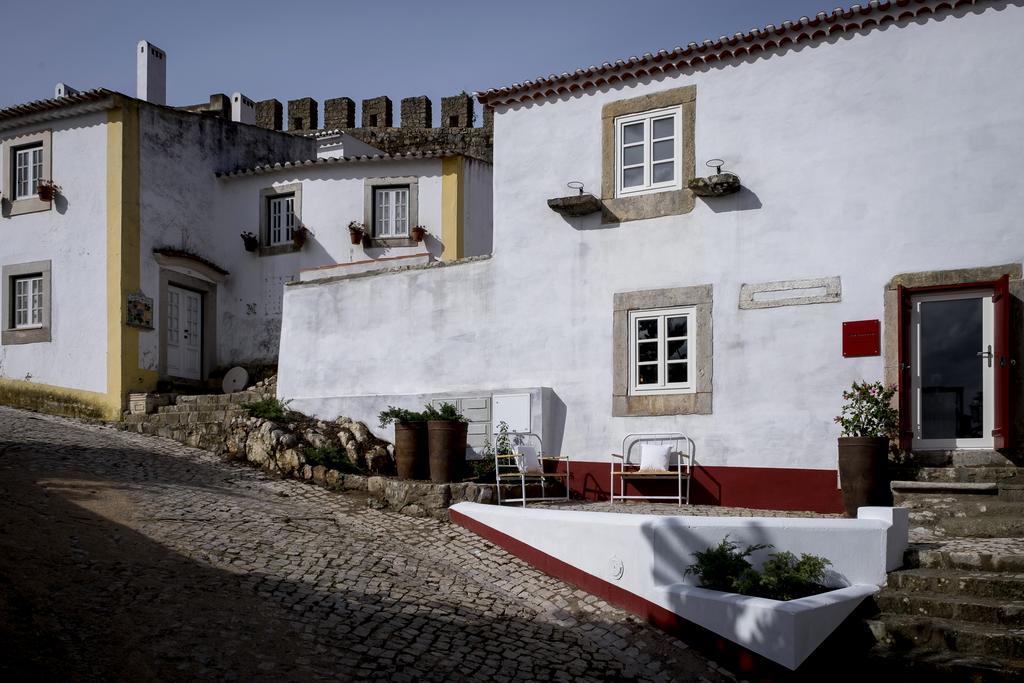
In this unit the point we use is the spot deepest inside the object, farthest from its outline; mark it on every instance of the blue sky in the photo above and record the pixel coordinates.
(355, 49)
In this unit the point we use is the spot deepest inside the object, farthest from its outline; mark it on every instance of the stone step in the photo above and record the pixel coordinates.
(940, 558)
(983, 526)
(996, 585)
(973, 457)
(900, 632)
(938, 667)
(953, 474)
(955, 487)
(956, 607)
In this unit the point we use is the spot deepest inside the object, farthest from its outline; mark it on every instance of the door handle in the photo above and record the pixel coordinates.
(987, 355)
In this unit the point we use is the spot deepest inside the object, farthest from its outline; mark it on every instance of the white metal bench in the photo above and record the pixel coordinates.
(626, 466)
(509, 468)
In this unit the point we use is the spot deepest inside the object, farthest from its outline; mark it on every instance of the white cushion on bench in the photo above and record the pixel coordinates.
(528, 462)
(654, 457)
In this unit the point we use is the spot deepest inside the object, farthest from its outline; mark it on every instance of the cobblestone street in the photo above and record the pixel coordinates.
(132, 557)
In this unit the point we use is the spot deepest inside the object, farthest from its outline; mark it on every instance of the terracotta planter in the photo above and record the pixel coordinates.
(250, 243)
(356, 236)
(446, 445)
(411, 450)
(45, 192)
(864, 472)
(419, 234)
(299, 236)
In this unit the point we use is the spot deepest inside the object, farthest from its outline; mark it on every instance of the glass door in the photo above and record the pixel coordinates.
(952, 372)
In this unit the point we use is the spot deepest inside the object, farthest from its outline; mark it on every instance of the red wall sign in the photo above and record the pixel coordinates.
(862, 338)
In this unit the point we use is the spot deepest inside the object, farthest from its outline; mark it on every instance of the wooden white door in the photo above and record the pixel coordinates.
(184, 333)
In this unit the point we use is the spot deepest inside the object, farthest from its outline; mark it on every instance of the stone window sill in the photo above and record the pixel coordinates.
(278, 249)
(385, 242)
(23, 206)
(25, 335)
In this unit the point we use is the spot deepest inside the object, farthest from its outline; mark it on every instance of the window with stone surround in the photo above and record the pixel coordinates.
(26, 162)
(647, 155)
(26, 303)
(280, 215)
(662, 352)
(391, 210)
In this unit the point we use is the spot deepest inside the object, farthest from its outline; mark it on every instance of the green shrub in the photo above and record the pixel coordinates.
(331, 457)
(447, 411)
(782, 577)
(398, 415)
(268, 409)
(719, 567)
(482, 470)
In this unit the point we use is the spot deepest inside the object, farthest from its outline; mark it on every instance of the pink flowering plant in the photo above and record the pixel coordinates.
(868, 410)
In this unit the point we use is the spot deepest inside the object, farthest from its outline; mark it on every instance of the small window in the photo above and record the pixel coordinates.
(281, 219)
(391, 212)
(28, 302)
(662, 351)
(648, 151)
(28, 170)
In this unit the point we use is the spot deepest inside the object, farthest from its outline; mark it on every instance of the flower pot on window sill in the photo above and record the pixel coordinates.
(356, 236)
(717, 185)
(250, 241)
(299, 236)
(419, 233)
(575, 205)
(46, 191)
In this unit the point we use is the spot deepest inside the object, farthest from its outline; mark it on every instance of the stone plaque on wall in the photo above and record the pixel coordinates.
(140, 311)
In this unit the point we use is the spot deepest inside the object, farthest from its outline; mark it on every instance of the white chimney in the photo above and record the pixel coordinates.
(151, 73)
(63, 90)
(243, 109)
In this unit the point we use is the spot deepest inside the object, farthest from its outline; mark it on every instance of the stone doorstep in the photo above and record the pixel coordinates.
(954, 474)
(949, 486)
(902, 632)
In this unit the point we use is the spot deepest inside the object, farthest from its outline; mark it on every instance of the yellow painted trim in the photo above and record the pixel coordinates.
(453, 201)
(123, 254)
(60, 400)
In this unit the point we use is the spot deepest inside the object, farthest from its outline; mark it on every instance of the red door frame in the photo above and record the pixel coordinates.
(1001, 352)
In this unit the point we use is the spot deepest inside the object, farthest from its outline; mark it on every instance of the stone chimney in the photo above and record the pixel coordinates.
(302, 114)
(417, 112)
(151, 73)
(339, 113)
(243, 109)
(377, 112)
(457, 111)
(268, 114)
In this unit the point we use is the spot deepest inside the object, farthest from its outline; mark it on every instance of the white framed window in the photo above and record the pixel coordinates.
(662, 351)
(648, 152)
(280, 219)
(28, 302)
(391, 212)
(28, 170)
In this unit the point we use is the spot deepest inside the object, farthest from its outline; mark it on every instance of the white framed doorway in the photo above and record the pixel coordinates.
(952, 361)
(184, 333)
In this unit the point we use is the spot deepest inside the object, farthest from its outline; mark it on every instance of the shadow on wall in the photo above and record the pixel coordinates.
(744, 200)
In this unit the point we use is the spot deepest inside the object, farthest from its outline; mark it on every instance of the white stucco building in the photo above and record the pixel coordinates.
(877, 150)
(132, 275)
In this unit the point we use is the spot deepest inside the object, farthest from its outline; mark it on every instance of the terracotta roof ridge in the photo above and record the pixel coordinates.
(870, 15)
(37, 106)
(325, 161)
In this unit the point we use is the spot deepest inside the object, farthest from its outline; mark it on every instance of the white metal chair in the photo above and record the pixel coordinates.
(626, 466)
(514, 468)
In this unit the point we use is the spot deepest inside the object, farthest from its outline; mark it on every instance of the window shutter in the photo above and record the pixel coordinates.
(1002, 360)
(906, 434)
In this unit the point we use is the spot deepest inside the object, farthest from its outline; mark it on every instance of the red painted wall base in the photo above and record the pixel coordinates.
(769, 488)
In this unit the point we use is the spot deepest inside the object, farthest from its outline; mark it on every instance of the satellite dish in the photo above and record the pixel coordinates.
(235, 380)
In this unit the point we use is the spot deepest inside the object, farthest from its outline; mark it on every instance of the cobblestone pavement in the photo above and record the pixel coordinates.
(132, 557)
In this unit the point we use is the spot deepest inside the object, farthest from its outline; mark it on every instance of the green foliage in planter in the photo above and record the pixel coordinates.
(269, 409)
(331, 457)
(447, 411)
(720, 566)
(398, 415)
(482, 470)
(782, 577)
(868, 411)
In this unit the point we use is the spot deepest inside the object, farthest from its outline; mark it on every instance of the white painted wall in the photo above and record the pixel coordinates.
(73, 236)
(864, 157)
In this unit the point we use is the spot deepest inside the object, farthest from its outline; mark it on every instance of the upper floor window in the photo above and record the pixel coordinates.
(648, 151)
(28, 170)
(28, 301)
(391, 211)
(662, 350)
(281, 219)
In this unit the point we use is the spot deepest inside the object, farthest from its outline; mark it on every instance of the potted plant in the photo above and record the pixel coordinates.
(300, 235)
(410, 441)
(356, 230)
(868, 421)
(47, 190)
(446, 442)
(419, 233)
(251, 242)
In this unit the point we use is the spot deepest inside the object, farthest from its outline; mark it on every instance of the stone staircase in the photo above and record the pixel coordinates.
(197, 420)
(956, 610)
